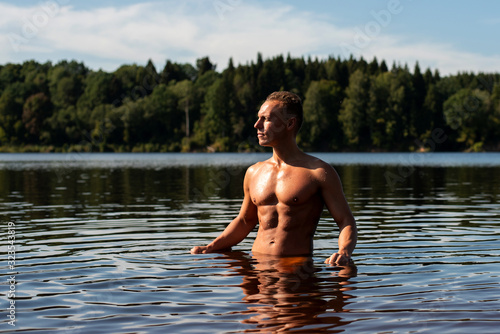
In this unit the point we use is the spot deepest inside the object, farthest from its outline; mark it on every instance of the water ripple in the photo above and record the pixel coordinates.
(101, 261)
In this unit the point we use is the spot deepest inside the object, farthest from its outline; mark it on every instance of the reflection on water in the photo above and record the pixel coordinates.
(105, 250)
(286, 293)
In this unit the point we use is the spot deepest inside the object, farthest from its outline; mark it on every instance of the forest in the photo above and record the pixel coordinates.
(349, 105)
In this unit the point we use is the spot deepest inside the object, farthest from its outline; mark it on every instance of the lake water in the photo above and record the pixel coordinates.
(102, 246)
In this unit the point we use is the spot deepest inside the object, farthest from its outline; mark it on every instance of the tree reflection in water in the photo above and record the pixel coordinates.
(286, 293)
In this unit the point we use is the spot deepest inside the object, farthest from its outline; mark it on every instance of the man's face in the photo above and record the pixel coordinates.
(271, 124)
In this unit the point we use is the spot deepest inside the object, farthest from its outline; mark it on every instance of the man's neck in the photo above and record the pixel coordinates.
(286, 153)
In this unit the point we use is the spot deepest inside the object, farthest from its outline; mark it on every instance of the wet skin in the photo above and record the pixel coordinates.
(289, 204)
(285, 196)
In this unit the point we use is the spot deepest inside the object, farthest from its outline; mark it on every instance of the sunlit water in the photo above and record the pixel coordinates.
(102, 246)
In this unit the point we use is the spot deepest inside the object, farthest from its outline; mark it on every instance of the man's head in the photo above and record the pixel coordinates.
(279, 118)
(290, 105)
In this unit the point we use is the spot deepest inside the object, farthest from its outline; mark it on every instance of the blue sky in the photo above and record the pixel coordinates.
(449, 35)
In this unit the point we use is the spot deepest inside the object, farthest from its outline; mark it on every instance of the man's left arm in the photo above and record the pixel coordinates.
(337, 205)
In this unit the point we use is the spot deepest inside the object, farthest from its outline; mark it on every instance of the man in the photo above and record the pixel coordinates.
(285, 194)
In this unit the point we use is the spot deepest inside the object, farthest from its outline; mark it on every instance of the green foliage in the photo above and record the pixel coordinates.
(349, 104)
(11, 110)
(471, 113)
(36, 110)
(321, 128)
(218, 111)
(353, 114)
(378, 111)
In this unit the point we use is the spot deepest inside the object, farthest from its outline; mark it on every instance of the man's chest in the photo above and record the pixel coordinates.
(290, 187)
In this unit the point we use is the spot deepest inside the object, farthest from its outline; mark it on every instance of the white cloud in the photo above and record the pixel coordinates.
(184, 31)
(443, 57)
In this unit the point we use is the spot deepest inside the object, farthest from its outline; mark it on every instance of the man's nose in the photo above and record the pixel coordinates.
(257, 124)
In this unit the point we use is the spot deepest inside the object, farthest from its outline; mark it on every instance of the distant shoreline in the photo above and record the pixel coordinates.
(146, 149)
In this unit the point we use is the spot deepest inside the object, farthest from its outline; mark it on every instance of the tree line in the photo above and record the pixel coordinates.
(349, 105)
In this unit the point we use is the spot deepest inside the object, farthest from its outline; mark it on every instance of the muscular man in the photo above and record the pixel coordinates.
(285, 194)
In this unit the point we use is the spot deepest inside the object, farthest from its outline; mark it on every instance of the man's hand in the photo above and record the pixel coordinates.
(199, 250)
(208, 249)
(339, 259)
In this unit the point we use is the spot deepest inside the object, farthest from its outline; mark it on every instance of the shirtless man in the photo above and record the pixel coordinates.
(285, 194)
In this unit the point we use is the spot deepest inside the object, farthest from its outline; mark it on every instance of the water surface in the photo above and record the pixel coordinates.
(103, 240)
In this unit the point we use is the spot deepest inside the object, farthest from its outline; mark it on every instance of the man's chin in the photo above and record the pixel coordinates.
(264, 143)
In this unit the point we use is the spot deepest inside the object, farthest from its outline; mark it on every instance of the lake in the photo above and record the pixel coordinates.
(102, 246)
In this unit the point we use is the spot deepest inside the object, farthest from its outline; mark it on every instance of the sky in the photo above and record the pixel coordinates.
(447, 35)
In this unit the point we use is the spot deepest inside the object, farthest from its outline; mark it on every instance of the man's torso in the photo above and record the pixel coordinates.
(289, 204)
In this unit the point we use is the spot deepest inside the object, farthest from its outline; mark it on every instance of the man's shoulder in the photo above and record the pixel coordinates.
(256, 166)
(315, 163)
(320, 170)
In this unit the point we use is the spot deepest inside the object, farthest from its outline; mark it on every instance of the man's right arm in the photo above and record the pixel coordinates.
(238, 229)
